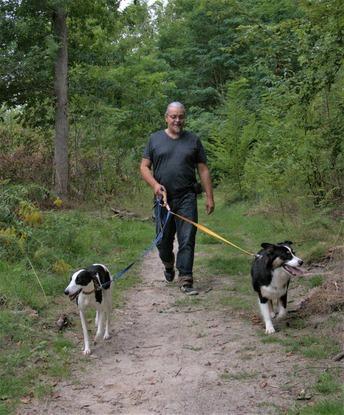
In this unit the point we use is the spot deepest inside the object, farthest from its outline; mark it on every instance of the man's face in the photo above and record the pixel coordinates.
(175, 119)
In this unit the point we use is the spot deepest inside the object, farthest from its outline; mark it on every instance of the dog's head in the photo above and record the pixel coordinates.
(78, 280)
(282, 255)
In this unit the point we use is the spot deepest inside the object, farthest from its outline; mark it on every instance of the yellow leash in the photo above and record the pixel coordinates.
(204, 228)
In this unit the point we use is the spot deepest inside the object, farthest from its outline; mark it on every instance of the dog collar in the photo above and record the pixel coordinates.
(88, 292)
(97, 287)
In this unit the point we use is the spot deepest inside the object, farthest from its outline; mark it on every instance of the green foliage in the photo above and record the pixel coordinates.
(327, 384)
(18, 215)
(315, 281)
(230, 265)
(314, 347)
(262, 82)
(193, 38)
(230, 141)
(324, 407)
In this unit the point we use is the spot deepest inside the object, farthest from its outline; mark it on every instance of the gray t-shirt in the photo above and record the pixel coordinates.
(175, 160)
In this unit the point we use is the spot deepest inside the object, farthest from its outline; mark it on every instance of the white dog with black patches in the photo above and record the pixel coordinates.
(91, 287)
(271, 271)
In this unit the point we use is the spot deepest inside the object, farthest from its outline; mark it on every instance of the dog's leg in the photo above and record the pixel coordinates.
(271, 309)
(282, 306)
(87, 349)
(108, 304)
(96, 319)
(100, 327)
(264, 309)
(108, 310)
(107, 335)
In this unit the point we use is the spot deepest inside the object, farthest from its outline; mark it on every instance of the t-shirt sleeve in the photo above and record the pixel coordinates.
(201, 156)
(147, 152)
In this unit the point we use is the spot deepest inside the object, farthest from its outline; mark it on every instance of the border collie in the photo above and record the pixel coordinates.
(271, 271)
(91, 287)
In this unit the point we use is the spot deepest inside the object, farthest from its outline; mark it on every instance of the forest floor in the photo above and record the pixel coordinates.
(173, 354)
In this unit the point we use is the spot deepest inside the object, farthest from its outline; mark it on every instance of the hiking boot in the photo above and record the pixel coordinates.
(169, 274)
(188, 290)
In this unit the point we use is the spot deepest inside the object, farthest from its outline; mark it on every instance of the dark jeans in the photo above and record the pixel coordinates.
(185, 205)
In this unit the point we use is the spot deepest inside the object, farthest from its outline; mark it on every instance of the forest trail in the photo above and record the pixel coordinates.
(165, 359)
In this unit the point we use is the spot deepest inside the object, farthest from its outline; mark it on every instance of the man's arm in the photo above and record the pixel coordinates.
(204, 175)
(146, 173)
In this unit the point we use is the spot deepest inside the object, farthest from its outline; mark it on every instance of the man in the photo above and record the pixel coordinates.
(174, 155)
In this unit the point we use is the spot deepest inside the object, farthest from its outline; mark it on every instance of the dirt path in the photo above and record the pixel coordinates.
(164, 359)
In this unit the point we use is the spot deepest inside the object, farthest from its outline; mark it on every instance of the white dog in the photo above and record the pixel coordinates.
(92, 288)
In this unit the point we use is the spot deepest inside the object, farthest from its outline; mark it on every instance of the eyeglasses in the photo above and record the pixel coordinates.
(176, 117)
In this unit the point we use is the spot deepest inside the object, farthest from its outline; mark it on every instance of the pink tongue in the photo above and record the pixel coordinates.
(293, 270)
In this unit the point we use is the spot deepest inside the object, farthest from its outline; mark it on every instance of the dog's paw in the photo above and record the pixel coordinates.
(282, 314)
(107, 336)
(272, 314)
(269, 330)
(97, 337)
(86, 352)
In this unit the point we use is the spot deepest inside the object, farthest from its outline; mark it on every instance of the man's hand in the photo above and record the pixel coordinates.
(209, 205)
(204, 175)
(159, 189)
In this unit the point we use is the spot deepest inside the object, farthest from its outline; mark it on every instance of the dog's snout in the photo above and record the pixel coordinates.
(66, 292)
(300, 262)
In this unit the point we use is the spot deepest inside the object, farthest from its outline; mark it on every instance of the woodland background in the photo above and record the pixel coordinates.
(262, 81)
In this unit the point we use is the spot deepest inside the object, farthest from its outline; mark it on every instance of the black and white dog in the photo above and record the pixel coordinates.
(92, 288)
(271, 271)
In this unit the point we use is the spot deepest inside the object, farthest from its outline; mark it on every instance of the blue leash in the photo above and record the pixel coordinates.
(163, 216)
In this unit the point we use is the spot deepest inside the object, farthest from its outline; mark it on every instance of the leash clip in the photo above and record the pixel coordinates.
(164, 200)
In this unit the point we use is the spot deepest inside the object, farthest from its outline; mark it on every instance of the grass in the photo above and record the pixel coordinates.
(323, 407)
(188, 301)
(235, 302)
(328, 383)
(311, 346)
(315, 281)
(240, 376)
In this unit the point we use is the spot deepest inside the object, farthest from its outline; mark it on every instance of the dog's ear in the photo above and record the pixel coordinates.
(285, 243)
(269, 247)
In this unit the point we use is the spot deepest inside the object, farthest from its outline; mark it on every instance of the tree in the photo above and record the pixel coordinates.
(61, 113)
(34, 63)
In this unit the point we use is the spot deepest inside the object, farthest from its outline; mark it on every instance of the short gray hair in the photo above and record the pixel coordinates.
(174, 104)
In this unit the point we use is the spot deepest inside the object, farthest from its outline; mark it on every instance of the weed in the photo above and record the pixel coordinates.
(327, 384)
(235, 302)
(314, 347)
(192, 348)
(313, 281)
(325, 407)
(229, 264)
(240, 376)
(187, 301)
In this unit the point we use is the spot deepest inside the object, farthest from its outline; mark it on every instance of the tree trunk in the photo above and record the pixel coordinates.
(61, 113)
